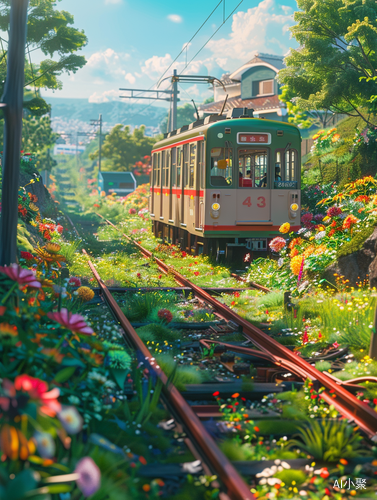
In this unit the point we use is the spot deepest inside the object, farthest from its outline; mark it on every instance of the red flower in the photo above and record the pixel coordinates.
(22, 276)
(334, 211)
(216, 393)
(313, 396)
(26, 256)
(132, 211)
(336, 345)
(73, 322)
(73, 280)
(236, 294)
(324, 473)
(165, 315)
(159, 276)
(184, 254)
(138, 275)
(59, 229)
(37, 390)
(196, 273)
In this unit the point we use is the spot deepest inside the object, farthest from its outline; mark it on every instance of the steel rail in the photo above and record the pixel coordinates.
(204, 444)
(343, 401)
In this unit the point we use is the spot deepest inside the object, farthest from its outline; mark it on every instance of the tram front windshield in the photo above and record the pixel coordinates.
(252, 166)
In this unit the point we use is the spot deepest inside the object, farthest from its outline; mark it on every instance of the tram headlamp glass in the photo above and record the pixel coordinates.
(294, 207)
(215, 206)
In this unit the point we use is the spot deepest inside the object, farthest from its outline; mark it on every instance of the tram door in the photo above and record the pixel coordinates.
(178, 191)
(163, 170)
(199, 186)
(253, 197)
(185, 163)
(173, 182)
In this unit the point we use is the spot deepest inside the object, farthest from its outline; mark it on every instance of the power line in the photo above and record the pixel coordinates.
(210, 38)
(191, 39)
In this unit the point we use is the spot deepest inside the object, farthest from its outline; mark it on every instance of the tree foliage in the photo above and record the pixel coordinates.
(50, 31)
(122, 149)
(337, 58)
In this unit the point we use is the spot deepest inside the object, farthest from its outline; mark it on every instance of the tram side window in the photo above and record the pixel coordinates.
(157, 176)
(163, 157)
(174, 166)
(252, 168)
(285, 167)
(185, 165)
(179, 166)
(290, 164)
(201, 165)
(167, 168)
(192, 165)
(153, 172)
(221, 167)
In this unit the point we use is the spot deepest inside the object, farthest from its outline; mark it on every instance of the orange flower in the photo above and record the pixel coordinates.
(294, 242)
(236, 395)
(335, 138)
(349, 221)
(296, 264)
(293, 253)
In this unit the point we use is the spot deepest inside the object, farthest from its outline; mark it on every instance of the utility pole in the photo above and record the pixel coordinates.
(99, 122)
(11, 102)
(160, 95)
(173, 120)
(173, 93)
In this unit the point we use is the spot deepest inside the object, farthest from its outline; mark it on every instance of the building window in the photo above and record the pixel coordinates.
(266, 87)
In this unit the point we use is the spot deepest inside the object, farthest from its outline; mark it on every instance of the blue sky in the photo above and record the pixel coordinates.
(131, 43)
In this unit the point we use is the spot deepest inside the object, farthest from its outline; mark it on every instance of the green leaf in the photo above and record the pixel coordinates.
(21, 485)
(119, 376)
(65, 374)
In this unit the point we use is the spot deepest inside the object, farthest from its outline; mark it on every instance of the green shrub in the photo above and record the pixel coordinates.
(329, 440)
(323, 366)
(356, 242)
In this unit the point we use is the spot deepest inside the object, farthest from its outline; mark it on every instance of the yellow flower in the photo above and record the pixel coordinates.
(85, 293)
(284, 228)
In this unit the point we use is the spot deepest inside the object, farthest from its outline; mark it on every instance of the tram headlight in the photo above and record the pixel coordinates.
(293, 210)
(215, 210)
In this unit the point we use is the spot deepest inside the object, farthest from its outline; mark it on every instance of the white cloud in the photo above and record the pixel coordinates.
(108, 65)
(156, 65)
(263, 28)
(175, 18)
(130, 78)
(106, 96)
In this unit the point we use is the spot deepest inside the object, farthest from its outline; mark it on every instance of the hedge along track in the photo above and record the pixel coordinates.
(335, 394)
(203, 443)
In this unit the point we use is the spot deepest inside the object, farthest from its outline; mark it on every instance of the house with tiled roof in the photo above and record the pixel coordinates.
(254, 86)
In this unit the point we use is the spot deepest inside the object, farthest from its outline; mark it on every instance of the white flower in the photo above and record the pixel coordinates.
(320, 235)
(280, 262)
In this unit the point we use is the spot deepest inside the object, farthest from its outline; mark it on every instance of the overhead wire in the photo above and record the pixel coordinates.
(191, 39)
(167, 69)
(210, 38)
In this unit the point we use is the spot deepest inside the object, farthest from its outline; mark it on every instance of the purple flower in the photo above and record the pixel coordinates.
(90, 476)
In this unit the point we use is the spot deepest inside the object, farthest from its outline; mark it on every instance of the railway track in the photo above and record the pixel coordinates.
(214, 461)
(335, 393)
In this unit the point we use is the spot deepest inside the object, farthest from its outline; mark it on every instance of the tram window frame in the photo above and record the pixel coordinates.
(192, 164)
(158, 169)
(202, 171)
(179, 166)
(254, 184)
(152, 177)
(167, 168)
(174, 166)
(186, 162)
(163, 158)
(225, 154)
(280, 161)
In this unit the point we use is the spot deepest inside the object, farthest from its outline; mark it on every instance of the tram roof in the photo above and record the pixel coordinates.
(200, 126)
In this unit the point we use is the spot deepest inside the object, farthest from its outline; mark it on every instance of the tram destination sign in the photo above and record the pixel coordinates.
(285, 184)
(253, 138)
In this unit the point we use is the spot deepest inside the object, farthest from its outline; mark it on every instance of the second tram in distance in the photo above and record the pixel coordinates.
(226, 183)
